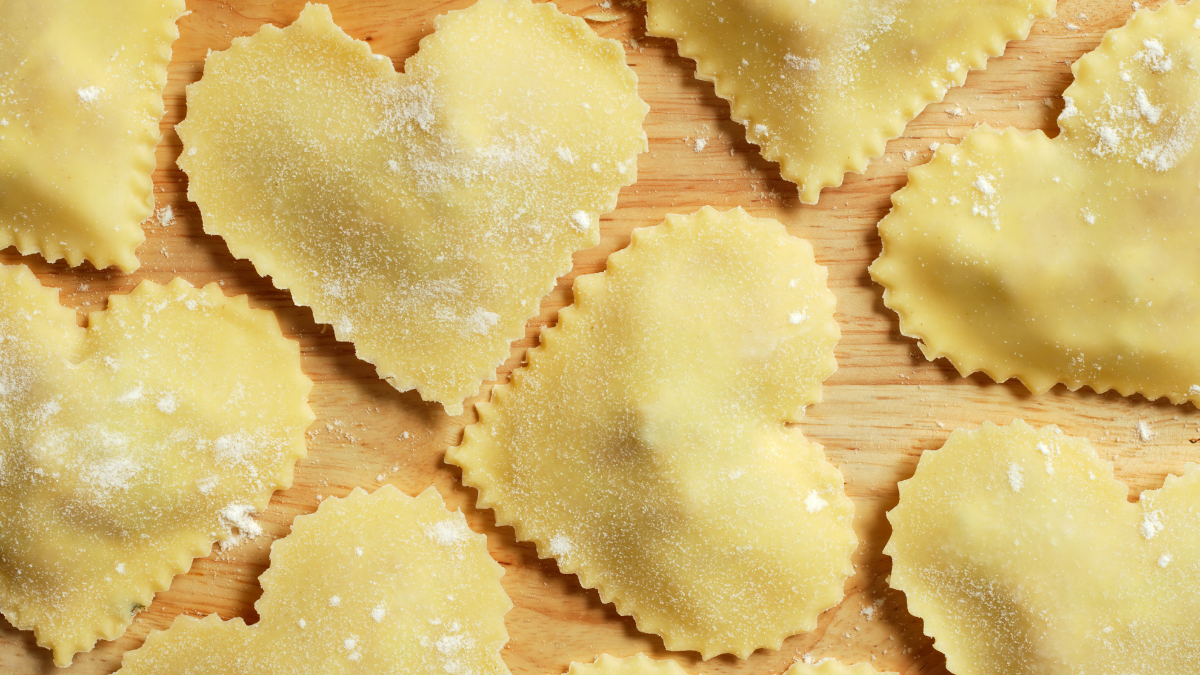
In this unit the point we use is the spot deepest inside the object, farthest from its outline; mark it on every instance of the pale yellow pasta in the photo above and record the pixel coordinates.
(381, 584)
(1021, 554)
(81, 95)
(822, 85)
(129, 447)
(423, 214)
(1069, 260)
(644, 445)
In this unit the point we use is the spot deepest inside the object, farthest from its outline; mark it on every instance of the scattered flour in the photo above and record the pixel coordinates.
(1154, 57)
(1016, 477)
(379, 612)
(813, 503)
(1144, 432)
(1150, 112)
(985, 186)
(1108, 141)
(238, 516)
(1151, 524)
(481, 321)
(89, 94)
(167, 404)
(802, 63)
(448, 532)
(560, 546)
(1069, 109)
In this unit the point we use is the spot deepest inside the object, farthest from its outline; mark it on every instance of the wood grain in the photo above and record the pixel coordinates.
(883, 407)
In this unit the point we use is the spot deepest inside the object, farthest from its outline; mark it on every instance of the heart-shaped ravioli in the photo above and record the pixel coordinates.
(423, 215)
(644, 445)
(823, 85)
(128, 448)
(1023, 555)
(1071, 259)
(379, 583)
(81, 88)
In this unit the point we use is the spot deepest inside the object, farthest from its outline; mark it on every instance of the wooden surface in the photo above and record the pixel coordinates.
(884, 406)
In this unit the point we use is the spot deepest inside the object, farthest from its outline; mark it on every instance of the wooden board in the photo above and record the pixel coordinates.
(884, 406)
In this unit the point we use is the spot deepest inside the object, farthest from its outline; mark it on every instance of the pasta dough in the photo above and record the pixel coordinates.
(381, 583)
(423, 215)
(823, 85)
(128, 448)
(81, 84)
(638, 664)
(1071, 259)
(1019, 550)
(644, 446)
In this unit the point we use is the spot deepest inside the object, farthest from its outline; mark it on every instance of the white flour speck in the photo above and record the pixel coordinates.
(983, 185)
(167, 404)
(1154, 57)
(1144, 432)
(802, 63)
(560, 546)
(448, 532)
(1016, 477)
(89, 94)
(583, 222)
(1152, 113)
(1069, 109)
(813, 503)
(1151, 524)
(239, 516)
(481, 321)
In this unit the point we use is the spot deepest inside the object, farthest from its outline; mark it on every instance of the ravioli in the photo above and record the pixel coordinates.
(1068, 260)
(81, 95)
(380, 583)
(644, 445)
(128, 448)
(425, 214)
(823, 85)
(1022, 555)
